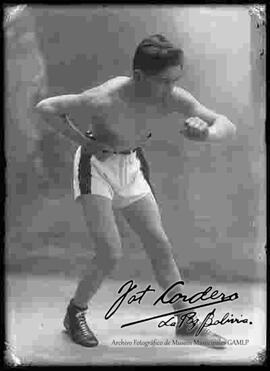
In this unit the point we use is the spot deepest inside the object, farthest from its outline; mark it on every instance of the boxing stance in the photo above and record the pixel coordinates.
(111, 171)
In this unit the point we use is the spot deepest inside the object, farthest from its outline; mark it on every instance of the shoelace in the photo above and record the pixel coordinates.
(82, 323)
(218, 338)
(207, 331)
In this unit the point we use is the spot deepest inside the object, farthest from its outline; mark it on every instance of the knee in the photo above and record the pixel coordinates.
(158, 246)
(157, 239)
(108, 254)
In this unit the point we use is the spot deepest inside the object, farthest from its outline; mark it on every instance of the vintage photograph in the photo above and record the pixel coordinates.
(135, 207)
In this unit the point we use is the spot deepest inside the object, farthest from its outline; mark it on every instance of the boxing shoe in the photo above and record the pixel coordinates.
(203, 337)
(77, 328)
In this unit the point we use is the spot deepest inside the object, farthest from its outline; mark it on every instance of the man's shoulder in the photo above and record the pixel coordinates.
(103, 94)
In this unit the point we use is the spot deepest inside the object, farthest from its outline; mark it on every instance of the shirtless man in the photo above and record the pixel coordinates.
(110, 169)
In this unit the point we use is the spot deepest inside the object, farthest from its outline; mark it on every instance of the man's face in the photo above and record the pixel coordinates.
(162, 82)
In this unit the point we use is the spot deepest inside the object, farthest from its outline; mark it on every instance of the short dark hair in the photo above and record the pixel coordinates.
(155, 53)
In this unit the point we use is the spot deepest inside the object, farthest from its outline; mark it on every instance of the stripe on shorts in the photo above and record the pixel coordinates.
(84, 174)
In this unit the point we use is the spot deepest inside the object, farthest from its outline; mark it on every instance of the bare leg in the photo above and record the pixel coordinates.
(101, 225)
(144, 218)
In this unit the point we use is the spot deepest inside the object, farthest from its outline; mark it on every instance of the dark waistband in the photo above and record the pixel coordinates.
(90, 135)
(125, 152)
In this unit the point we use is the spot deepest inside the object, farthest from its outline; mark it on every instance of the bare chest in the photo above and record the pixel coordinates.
(124, 125)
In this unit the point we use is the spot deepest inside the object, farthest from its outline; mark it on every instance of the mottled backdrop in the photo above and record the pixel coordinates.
(212, 197)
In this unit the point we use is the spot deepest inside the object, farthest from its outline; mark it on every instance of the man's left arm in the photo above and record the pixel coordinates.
(203, 124)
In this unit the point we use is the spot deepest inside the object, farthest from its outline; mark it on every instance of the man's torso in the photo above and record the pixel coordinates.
(125, 123)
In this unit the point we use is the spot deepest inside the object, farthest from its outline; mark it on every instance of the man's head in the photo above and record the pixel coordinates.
(156, 60)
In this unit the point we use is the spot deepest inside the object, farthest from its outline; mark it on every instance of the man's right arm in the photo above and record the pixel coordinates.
(55, 111)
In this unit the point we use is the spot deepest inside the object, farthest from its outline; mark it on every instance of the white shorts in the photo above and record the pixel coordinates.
(123, 178)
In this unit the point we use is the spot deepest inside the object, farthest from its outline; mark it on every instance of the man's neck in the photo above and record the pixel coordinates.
(141, 92)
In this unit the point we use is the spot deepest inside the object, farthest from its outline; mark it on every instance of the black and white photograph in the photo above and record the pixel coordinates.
(135, 207)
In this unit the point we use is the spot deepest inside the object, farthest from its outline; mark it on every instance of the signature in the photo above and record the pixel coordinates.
(191, 321)
(128, 287)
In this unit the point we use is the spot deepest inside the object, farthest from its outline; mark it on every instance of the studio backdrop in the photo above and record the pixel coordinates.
(212, 197)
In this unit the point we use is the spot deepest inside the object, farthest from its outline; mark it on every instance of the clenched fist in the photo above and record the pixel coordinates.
(195, 129)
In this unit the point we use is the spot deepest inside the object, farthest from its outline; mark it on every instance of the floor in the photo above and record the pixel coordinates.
(36, 306)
